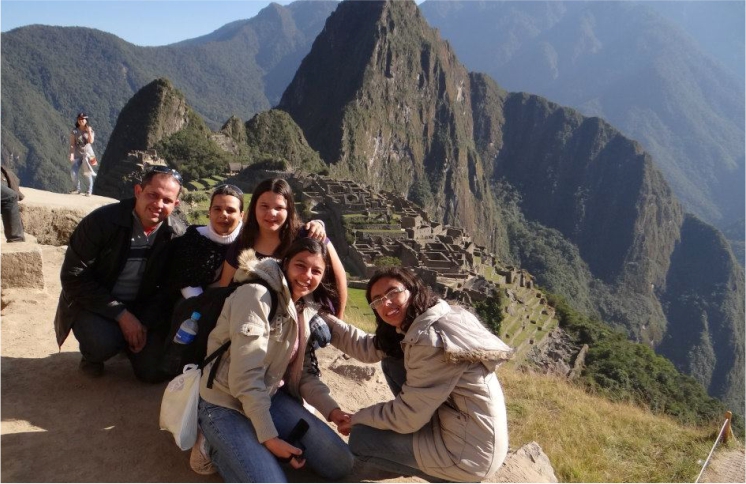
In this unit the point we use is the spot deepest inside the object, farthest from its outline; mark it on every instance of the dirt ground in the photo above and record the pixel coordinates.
(60, 426)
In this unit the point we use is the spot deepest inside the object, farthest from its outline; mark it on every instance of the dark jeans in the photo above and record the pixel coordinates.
(394, 372)
(101, 338)
(386, 450)
(12, 223)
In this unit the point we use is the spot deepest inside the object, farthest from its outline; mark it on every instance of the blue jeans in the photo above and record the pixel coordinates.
(75, 175)
(239, 457)
(101, 338)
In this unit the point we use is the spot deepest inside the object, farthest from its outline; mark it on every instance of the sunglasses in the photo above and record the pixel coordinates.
(165, 170)
(386, 297)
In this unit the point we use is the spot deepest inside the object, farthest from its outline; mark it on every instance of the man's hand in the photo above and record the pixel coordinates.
(134, 332)
(316, 230)
(284, 451)
(342, 420)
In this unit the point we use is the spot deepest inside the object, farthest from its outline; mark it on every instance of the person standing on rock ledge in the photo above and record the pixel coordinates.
(113, 293)
(81, 154)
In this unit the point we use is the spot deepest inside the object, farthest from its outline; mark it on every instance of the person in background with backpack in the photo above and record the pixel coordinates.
(251, 396)
(270, 225)
(447, 419)
(81, 138)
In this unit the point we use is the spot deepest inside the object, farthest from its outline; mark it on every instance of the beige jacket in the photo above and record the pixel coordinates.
(256, 363)
(451, 399)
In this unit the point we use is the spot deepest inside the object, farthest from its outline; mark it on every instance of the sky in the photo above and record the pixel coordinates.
(140, 22)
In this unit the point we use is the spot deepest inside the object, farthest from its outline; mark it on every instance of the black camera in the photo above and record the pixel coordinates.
(320, 333)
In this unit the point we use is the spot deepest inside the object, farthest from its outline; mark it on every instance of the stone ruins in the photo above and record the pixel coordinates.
(384, 227)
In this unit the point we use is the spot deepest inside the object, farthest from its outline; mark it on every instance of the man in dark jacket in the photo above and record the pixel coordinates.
(11, 194)
(113, 295)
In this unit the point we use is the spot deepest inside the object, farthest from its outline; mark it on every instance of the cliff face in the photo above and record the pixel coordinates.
(385, 101)
(155, 112)
(702, 297)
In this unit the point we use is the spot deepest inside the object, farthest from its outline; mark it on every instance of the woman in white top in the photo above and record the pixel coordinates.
(81, 138)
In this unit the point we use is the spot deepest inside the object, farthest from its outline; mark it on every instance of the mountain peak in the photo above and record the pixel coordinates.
(156, 111)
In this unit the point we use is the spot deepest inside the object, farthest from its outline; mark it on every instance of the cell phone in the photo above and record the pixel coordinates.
(296, 434)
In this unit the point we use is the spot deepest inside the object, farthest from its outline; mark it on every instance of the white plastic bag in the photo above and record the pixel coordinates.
(179, 407)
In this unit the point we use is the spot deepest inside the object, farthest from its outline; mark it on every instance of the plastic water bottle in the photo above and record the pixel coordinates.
(173, 360)
(188, 330)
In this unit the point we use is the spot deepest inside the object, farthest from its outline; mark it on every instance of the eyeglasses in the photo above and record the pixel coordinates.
(386, 297)
(164, 170)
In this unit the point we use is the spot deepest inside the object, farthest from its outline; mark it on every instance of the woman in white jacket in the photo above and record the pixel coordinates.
(247, 413)
(447, 419)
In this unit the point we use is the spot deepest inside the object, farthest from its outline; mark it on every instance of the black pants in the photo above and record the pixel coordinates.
(101, 338)
(12, 223)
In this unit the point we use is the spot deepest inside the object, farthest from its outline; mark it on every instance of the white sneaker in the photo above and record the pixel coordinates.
(199, 461)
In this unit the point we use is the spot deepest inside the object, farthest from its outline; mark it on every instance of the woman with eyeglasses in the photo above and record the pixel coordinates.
(81, 153)
(270, 225)
(447, 419)
(197, 257)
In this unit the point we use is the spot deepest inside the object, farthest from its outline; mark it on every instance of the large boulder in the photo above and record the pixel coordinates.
(52, 217)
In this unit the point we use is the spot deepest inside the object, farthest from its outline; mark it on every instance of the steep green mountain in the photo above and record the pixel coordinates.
(158, 117)
(51, 73)
(385, 101)
(624, 62)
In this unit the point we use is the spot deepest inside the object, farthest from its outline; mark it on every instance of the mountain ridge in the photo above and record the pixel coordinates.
(623, 62)
(407, 119)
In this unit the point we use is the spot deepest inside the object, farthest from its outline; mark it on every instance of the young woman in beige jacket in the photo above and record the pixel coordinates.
(247, 413)
(447, 419)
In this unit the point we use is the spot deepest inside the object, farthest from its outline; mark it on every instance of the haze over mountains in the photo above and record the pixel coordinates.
(624, 62)
(384, 99)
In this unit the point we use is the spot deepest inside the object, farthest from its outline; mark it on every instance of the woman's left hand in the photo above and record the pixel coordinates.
(316, 230)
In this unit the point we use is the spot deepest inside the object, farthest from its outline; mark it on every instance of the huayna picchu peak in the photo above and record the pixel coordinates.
(385, 101)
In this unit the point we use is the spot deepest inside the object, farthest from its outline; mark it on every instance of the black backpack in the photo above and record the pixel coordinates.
(209, 304)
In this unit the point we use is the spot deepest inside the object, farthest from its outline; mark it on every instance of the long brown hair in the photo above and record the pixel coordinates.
(421, 299)
(325, 293)
(289, 229)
